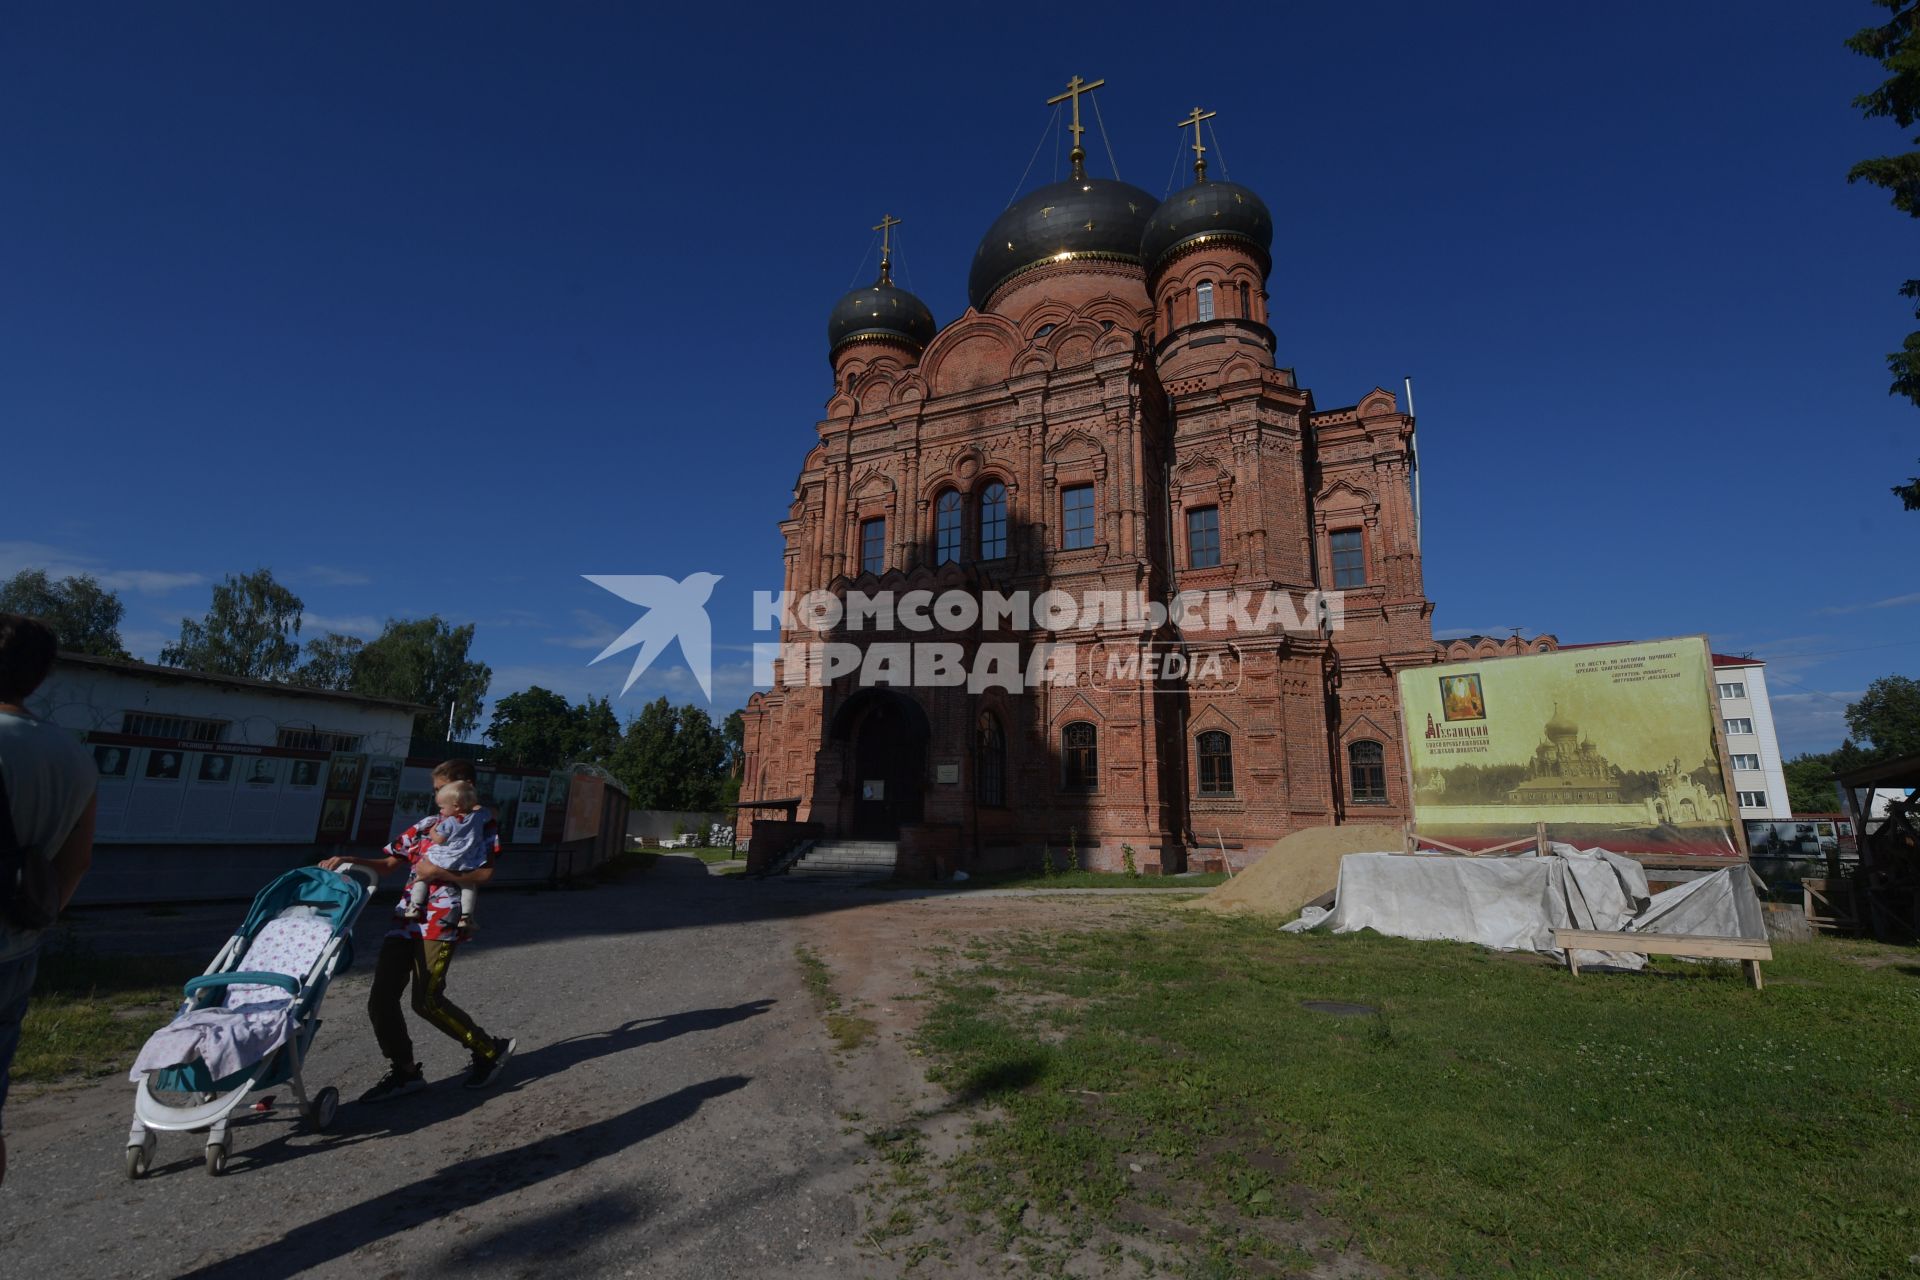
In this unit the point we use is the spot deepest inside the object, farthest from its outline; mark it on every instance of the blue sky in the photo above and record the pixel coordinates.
(276, 283)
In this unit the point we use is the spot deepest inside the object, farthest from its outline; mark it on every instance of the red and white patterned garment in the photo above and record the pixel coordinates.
(412, 844)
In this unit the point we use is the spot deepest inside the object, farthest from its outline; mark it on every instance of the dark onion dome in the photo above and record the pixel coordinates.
(1080, 218)
(881, 310)
(1207, 210)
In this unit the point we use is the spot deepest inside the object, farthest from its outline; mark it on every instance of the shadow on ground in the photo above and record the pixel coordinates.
(468, 1184)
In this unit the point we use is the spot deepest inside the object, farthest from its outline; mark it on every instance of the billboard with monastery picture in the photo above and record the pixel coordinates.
(1610, 745)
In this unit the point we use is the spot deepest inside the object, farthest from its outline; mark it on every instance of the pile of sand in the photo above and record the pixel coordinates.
(1298, 869)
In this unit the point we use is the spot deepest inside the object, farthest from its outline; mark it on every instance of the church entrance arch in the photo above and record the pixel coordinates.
(885, 734)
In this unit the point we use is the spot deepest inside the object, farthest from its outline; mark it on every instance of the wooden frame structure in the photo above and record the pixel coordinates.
(1747, 951)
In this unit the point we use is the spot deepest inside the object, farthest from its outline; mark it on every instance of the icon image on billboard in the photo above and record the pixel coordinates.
(1460, 697)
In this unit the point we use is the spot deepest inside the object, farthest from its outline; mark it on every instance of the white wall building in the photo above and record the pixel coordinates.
(1746, 714)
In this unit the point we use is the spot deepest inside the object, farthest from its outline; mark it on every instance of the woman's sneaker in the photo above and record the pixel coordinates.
(395, 1083)
(485, 1072)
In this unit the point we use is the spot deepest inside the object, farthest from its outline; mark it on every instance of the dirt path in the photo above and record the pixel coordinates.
(676, 1108)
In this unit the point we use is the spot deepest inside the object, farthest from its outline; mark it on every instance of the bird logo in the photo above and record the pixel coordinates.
(674, 611)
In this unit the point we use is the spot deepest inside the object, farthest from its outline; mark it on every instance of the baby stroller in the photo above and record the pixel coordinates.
(248, 1022)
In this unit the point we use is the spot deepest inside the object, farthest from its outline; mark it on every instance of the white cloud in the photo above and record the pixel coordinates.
(360, 624)
(594, 632)
(1810, 721)
(15, 556)
(329, 576)
(145, 643)
(1890, 602)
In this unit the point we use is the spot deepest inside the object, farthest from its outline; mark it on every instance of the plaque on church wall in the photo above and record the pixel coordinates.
(947, 773)
(1614, 746)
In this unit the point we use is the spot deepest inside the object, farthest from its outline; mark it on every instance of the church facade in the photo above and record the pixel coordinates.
(1110, 414)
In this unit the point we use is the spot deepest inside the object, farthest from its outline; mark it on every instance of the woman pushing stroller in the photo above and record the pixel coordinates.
(419, 949)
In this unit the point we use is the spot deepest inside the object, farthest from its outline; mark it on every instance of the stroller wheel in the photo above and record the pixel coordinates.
(325, 1104)
(216, 1158)
(140, 1153)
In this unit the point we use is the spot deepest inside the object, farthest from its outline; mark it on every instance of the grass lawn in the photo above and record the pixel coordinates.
(1063, 880)
(90, 1013)
(714, 853)
(1494, 1117)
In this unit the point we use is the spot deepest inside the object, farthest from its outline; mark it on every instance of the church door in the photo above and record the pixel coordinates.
(889, 753)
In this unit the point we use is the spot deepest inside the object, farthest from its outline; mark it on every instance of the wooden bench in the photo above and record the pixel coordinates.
(1699, 946)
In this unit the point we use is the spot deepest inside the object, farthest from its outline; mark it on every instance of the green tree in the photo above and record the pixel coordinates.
(251, 631)
(643, 762)
(535, 728)
(83, 614)
(734, 730)
(1810, 783)
(328, 662)
(1888, 716)
(1895, 45)
(599, 731)
(700, 755)
(426, 661)
(673, 758)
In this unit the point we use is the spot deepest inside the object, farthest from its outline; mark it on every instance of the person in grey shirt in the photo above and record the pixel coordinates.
(50, 782)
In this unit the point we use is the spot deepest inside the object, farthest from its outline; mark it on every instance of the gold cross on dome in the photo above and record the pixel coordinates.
(1076, 87)
(887, 223)
(1199, 148)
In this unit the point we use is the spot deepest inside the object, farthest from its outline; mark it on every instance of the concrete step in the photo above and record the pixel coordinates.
(853, 855)
(837, 864)
(887, 847)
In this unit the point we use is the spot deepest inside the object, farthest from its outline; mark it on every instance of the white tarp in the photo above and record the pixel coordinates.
(1515, 903)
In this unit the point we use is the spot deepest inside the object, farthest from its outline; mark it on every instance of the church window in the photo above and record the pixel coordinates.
(1169, 314)
(873, 545)
(1349, 560)
(1203, 301)
(1366, 773)
(1246, 301)
(1203, 537)
(946, 527)
(990, 762)
(1044, 330)
(1076, 517)
(1216, 764)
(1079, 757)
(993, 521)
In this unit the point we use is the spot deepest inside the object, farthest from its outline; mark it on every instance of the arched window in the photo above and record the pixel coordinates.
(1044, 330)
(1366, 773)
(1246, 301)
(993, 521)
(990, 762)
(1216, 764)
(1079, 757)
(946, 527)
(1203, 301)
(1169, 320)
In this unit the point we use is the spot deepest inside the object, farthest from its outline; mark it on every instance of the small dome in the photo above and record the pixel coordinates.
(881, 310)
(1206, 209)
(1078, 218)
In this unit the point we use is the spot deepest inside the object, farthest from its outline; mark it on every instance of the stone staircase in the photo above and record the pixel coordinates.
(848, 860)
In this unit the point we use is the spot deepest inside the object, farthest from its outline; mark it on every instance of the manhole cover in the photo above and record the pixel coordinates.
(1339, 1008)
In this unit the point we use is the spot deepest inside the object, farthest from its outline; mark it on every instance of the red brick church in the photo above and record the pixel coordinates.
(1107, 415)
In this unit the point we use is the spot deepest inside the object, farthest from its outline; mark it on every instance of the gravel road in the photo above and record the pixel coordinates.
(671, 1112)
